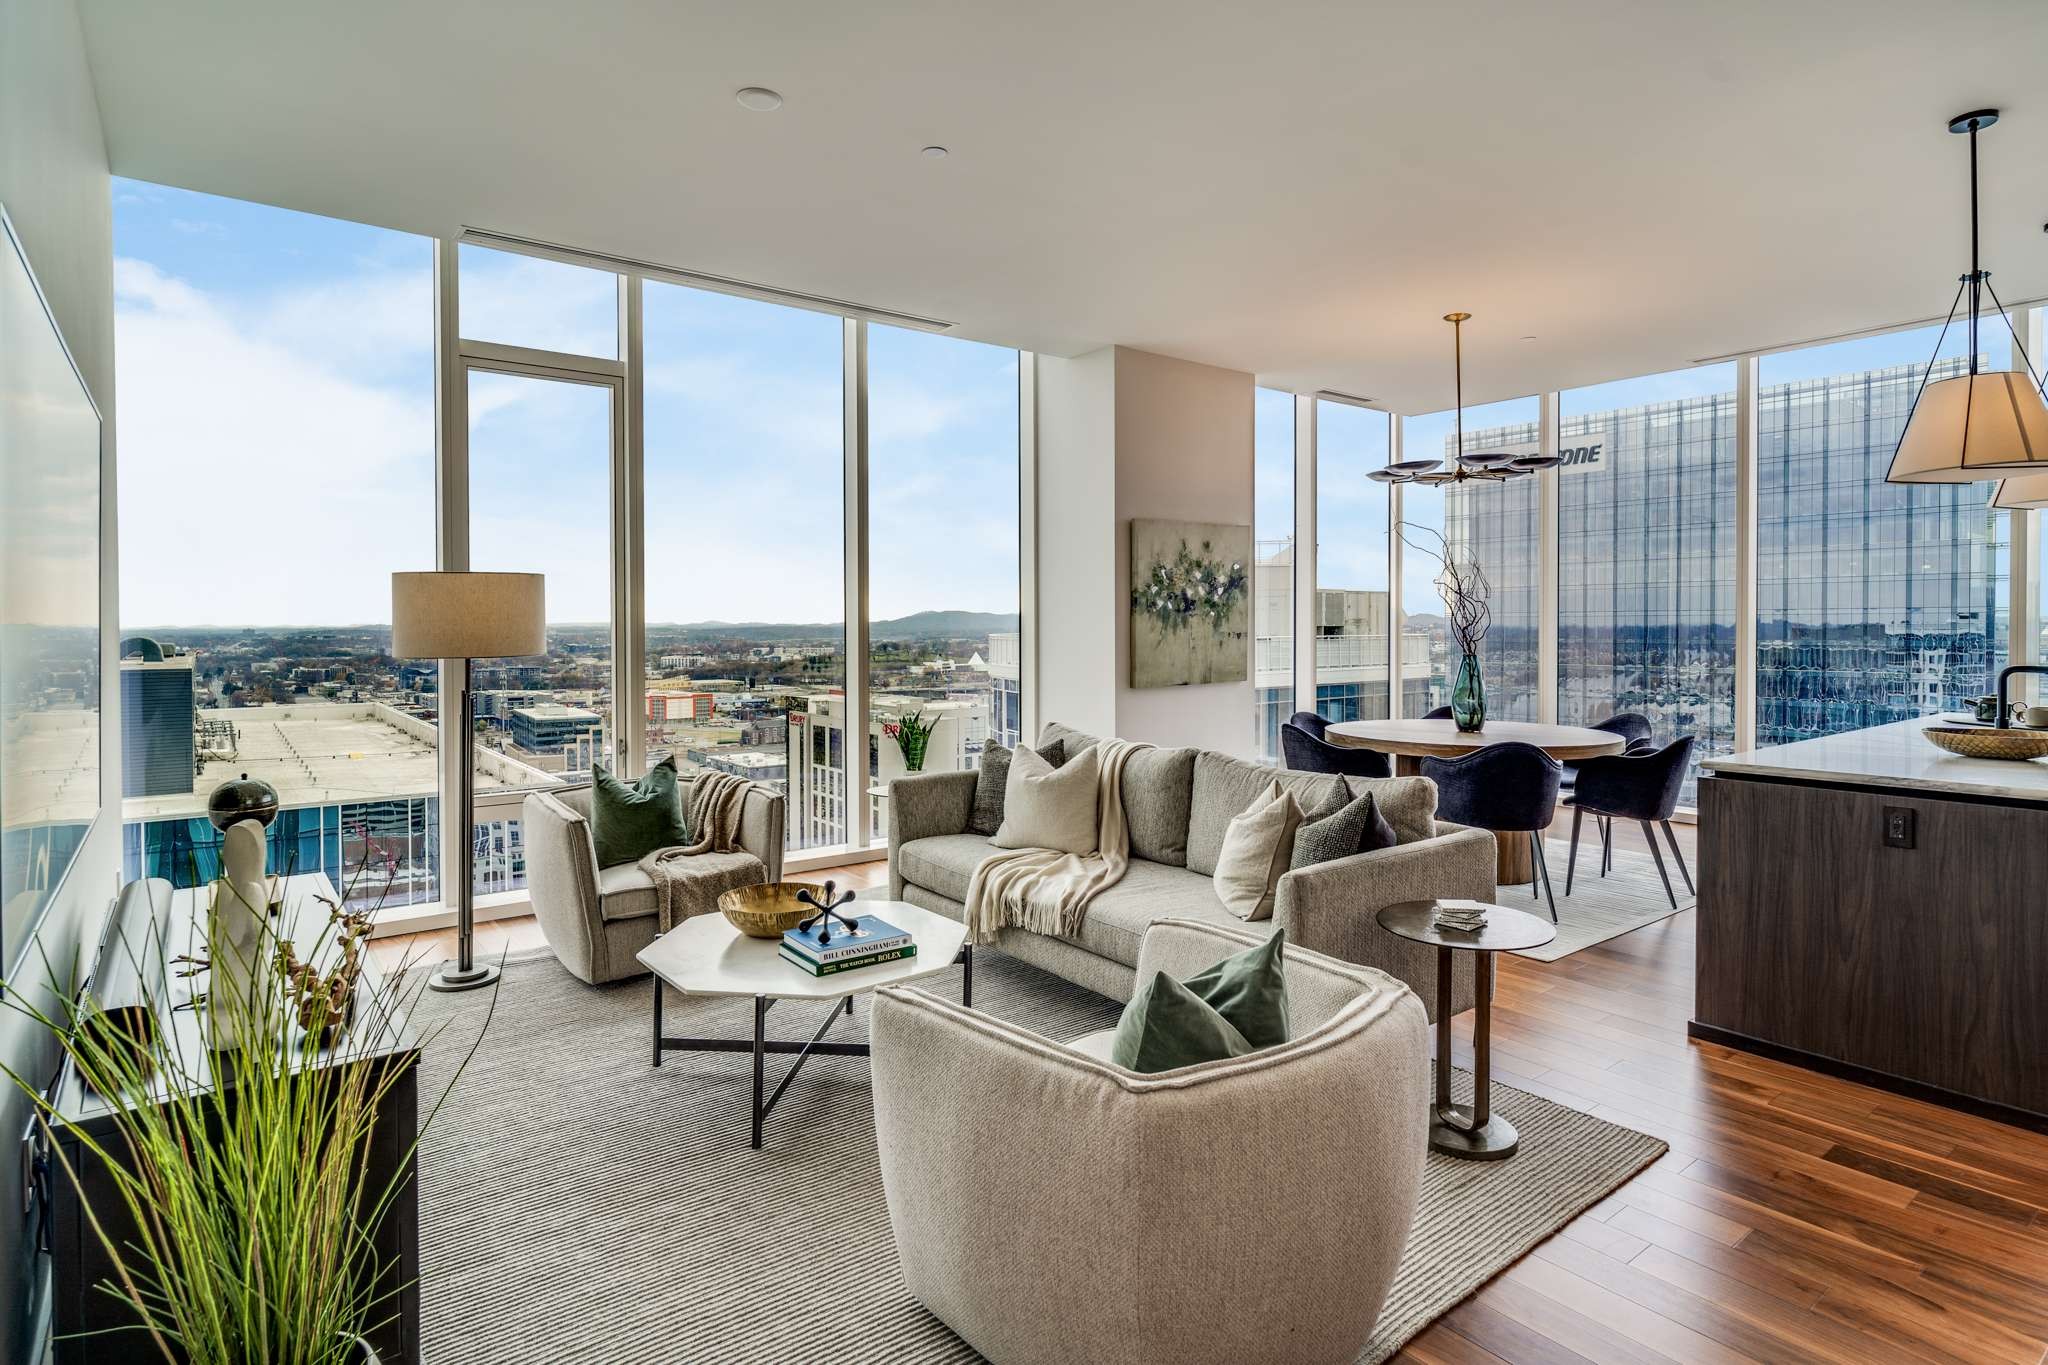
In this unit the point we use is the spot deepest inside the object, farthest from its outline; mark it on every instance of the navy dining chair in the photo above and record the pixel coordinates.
(1440, 713)
(1508, 788)
(1634, 729)
(1306, 751)
(1641, 786)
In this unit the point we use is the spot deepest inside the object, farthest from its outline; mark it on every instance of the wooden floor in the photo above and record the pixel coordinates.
(1795, 1218)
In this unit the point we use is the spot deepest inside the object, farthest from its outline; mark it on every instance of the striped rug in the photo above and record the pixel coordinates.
(576, 1204)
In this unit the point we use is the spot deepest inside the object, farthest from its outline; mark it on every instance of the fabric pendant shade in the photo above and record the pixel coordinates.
(2023, 492)
(467, 615)
(1973, 427)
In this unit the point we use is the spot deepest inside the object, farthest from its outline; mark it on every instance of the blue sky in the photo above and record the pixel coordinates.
(275, 404)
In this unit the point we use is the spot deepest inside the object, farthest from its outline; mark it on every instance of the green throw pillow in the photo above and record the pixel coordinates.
(1167, 1026)
(628, 823)
(1249, 990)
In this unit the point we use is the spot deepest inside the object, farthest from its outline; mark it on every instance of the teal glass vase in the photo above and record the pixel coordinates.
(1468, 696)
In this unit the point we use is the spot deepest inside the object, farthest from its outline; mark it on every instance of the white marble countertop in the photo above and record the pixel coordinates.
(1895, 755)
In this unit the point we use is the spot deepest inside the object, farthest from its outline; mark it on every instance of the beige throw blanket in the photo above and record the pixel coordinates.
(713, 811)
(1046, 891)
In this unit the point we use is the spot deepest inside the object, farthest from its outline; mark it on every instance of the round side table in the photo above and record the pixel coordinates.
(1473, 1132)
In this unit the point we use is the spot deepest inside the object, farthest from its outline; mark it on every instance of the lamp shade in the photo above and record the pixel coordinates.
(1973, 427)
(467, 615)
(2022, 492)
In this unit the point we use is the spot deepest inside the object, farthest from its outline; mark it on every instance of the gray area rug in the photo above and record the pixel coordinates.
(577, 1204)
(1599, 908)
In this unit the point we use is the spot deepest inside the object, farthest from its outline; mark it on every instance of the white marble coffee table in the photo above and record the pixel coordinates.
(705, 955)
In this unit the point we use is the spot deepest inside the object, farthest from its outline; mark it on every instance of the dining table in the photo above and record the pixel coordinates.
(1411, 741)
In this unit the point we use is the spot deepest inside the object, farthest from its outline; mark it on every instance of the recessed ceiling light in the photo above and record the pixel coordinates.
(934, 152)
(1528, 338)
(758, 98)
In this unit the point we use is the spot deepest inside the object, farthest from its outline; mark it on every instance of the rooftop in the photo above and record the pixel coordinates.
(321, 755)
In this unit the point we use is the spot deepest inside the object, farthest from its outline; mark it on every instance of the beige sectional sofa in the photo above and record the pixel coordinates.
(1179, 802)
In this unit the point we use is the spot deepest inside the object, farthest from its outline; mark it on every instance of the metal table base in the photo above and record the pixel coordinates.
(1472, 1131)
(761, 1044)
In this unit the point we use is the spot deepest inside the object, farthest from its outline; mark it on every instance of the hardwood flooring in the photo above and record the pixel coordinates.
(1796, 1217)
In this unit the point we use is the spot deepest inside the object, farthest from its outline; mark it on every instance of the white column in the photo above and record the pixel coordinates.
(1305, 532)
(854, 389)
(1547, 572)
(1027, 544)
(451, 544)
(629, 530)
(1746, 371)
(1397, 617)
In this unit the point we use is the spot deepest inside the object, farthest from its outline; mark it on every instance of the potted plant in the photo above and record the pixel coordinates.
(913, 735)
(241, 1169)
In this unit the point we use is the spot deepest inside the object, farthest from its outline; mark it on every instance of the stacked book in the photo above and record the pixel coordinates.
(826, 953)
(1465, 917)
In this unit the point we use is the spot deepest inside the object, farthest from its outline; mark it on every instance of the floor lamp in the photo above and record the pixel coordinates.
(459, 617)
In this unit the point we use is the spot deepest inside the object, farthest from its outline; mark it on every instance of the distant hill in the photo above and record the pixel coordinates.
(924, 625)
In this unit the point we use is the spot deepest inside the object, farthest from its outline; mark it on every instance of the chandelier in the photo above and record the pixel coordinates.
(1467, 466)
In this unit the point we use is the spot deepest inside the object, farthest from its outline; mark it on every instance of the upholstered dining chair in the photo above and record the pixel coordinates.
(1306, 751)
(1639, 786)
(1509, 788)
(1634, 729)
(1440, 713)
(1053, 1208)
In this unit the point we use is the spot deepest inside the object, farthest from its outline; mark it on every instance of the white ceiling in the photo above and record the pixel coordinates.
(1296, 189)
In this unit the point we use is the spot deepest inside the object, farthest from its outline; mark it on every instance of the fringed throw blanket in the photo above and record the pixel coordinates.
(712, 812)
(1046, 891)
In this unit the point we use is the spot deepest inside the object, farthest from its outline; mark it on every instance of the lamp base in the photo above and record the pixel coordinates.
(451, 977)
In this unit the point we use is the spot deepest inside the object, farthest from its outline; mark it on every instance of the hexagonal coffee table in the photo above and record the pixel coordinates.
(705, 955)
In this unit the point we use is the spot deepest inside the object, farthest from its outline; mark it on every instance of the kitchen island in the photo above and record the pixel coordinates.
(1876, 908)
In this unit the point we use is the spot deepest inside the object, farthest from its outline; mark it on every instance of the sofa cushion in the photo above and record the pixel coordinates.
(1250, 990)
(1048, 807)
(1070, 740)
(1354, 826)
(625, 892)
(1117, 919)
(628, 821)
(1159, 791)
(943, 863)
(1257, 848)
(1224, 786)
(1167, 1026)
(991, 780)
(1409, 803)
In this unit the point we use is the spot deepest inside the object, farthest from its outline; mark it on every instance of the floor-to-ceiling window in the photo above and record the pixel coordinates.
(943, 642)
(1496, 523)
(1876, 602)
(1353, 609)
(745, 642)
(1646, 556)
(1272, 566)
(276, 418)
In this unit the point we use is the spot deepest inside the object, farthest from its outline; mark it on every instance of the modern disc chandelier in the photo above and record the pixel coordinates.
(1984, 424)
(1466, 466)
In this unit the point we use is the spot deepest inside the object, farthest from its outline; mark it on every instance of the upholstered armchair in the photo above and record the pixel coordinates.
(1053, 1208)
(597, 919)
(1306, 750)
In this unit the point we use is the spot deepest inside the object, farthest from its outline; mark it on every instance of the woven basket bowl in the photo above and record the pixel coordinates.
(766, 911)
(2011, 744)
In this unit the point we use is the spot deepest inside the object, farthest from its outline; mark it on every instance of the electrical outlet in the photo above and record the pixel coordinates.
(1898, 827)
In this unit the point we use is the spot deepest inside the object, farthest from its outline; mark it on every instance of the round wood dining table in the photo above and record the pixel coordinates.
(1411, 741)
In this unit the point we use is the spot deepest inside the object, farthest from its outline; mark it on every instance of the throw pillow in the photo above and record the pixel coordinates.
(1353, 827)
(992, 778)
(1249, 990)
(1166, 1026)
(1257, 847)
(629, 822)
(1048, 807)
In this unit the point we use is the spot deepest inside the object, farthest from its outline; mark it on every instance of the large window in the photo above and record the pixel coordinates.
(276, 394)
(942, 555)
(1496, 522)
(745, 642)
(1354, 610)
(1272, 566)
(1646, 556)
(1876, 602)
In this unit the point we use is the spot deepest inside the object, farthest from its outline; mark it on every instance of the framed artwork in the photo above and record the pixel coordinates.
(1190, 603)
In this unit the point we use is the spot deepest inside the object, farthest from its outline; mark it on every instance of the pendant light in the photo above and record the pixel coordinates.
(1484, 466)
(1985, 423)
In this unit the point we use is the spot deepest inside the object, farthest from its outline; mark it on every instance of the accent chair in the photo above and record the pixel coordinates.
(1639, 786)
(1509, 788)
(1306, 751)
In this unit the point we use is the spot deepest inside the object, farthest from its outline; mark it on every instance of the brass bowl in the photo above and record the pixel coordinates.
(766, 911)
(1988, 743)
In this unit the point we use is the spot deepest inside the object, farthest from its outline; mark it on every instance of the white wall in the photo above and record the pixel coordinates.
(53, 182)
(1125, 434)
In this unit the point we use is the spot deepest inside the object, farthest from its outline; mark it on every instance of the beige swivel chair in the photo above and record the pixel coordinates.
(597, 919)
(1051, 1207)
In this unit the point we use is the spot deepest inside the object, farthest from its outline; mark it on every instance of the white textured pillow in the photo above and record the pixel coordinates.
(1257, 847)
(1048, 807)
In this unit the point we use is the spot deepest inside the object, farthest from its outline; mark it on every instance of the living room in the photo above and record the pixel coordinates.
(1446, 648)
